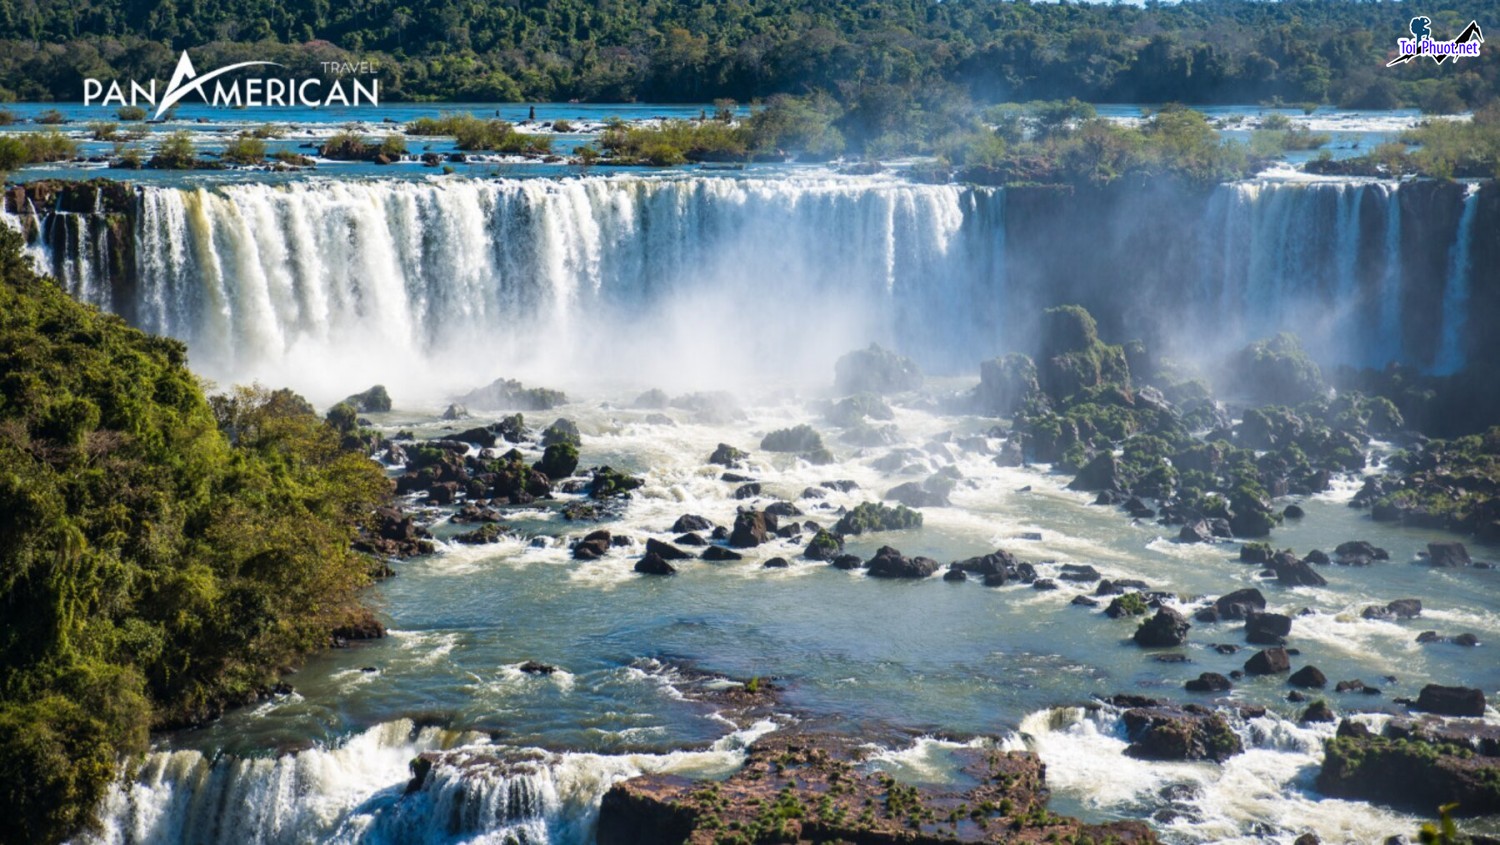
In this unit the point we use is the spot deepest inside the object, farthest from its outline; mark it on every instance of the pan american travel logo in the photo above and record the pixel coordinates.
(1466, 45)
(245, 91)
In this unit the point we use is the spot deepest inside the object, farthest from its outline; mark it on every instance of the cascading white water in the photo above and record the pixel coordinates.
(433, 287)
(1450, 356)
(476, 792)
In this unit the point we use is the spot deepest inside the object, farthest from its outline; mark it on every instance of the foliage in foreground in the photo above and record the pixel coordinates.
(161, 554)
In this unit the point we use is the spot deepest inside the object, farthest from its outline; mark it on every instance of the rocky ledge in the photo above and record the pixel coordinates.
(1416, 764)
(810, 787)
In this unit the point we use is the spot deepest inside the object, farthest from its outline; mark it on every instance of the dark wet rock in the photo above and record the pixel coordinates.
(875, 370)
(824, 546)
(1467, 640)
(1308, 677)
(653, 564)
(532, 667)
(890, 563)
(560, 460)
(1044, 584)
(1268, 661)
(1448, 554)
(562, 431)
(747, 491)
(1295, 573)
(1167, 628)
(783, 509)
(1078, 573)
(1209, 682)
(1118, 586)
(593, 546)
(1084, 601)
(838, 799)
(665, 550)
(1129, 604)
(847, 562)
(790, 531)
(609, 482)
(691, 522)
(1355, 685)
(1100, 473)
(1256, 553)
(1240, 604)
(1294, 512)
(840, 485)
(1196, 532)
(483, 535)
(751, 528)
(361, 624)
(998, 562)
(955, 574)
(1267, 628)
(1430, 637)
(813, 493)
(719, 553)
(690, 539)
(1172, 733)
(394, 534)
(1451, 701)
(1006, 384)
(1318, 557)
(1318, 711)
(1358, 553)
(728, 456)
(1398, 609)
(776, 563)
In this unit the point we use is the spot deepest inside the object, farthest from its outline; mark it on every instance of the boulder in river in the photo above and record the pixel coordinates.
(1308, 677)
(1240, 603)
(890, 563)
(1415, 767)
(721, 554)
(653, 564)
(1166, 629)
(691, 522)
(751, 528)
(1268, 661)
(1448, 554)
(1172, 733)
(1451, 701)
(1209, 682)
(876, 370)
(666, 551)
(1267, 628)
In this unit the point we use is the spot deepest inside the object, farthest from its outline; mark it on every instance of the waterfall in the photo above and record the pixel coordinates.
(359, 793)
(1450, 356)
(688, 281)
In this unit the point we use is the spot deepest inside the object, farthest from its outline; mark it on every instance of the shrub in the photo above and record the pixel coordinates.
(176, 153)
(246, 149)
(130, 113)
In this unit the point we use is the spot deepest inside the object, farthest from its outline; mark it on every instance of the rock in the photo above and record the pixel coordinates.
(954, 574)
(1294, 512)
(1129, 604)
(1451, 701)
(1295, 573)
(690, 539)
(824, 546)
(728, 456)
(1448, 554)
(1269, 661)
(1100, 473)
(531, 667)
(1410, 770)
(1267, 628)
(1166, 629)
(827, 794)
(719, 553)
(1240, 604)
(875, 370)
(1349, 686)
(875, 516)
(1198, 531)
(1467, 640)
(1308, 677)
(1078, 573)
(1044, 584)
(847, 562)
(593, 546)
(373, 401)
(665, 551)
(747, 491)
(483, 535)
(890, 563)
(1084, 601)
(1170, 733)
(1256, 553)
(456, 412)
(813, 493)
(1209, 682)
(915, 494)
(776, 563)
(654, 564)
(1318, 557)
(1358, 553)
(783, 509)
(1318, 711)
(559, 461)
(1398, 609)
(510, 395)
(751, 528)
(1277, 371)
(654, 399)
(691, 522)
(1427, 636)
(1005, 384)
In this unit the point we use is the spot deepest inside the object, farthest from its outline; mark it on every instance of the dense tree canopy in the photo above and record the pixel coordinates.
(1200, 51)
(161, 554)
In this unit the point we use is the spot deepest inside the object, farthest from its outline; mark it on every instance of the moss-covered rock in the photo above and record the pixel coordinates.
(1276, 370)
(874, 516)
(373, 401)
(559, 461)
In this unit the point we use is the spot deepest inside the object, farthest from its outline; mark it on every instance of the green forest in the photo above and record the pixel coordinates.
(861, 52)
(165, 554)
